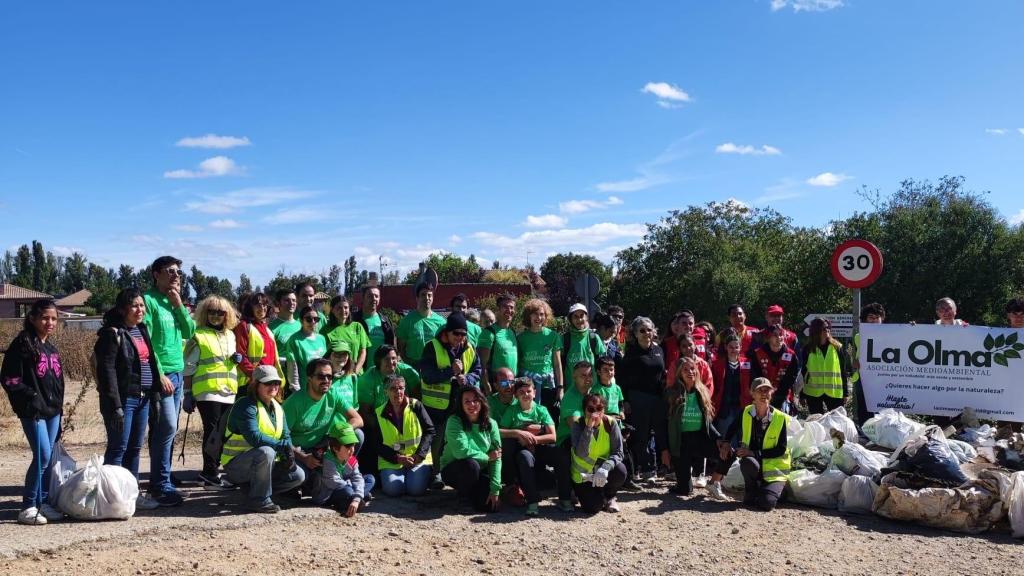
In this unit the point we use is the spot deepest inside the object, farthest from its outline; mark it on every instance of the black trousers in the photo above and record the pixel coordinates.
(647, 415)
(694, 448)
(593, 499)
(211, 414)
(822, 404)
(530, 463)
(471, 482)
(757, 492)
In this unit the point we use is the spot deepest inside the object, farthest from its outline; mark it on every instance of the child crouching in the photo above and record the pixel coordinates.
(343, 487)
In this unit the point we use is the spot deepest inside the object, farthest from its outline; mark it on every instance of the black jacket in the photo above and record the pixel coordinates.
(33, 378)
(385, 326)
(118, 368)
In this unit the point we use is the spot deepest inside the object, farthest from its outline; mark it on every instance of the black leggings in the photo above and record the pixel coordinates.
(758, 493)
(694, 447)
(592, 499)
(647, 414)
(471, 482)
(211, 414)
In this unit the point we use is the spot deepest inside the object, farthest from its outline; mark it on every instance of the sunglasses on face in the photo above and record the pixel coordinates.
(505, 383)
(310, 318)
(458, 333)
(324, 377)
(172, 271)
(591, 409)
(618, 316)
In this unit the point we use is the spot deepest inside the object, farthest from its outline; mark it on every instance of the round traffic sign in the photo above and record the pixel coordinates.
(856, 263)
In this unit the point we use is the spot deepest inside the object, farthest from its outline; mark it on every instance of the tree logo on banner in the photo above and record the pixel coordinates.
(1002, 347)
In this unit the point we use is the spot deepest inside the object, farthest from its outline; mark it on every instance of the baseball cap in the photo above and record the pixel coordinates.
(340, 346)
(576, 308)
(263, 374)
(761, 383)
(775, 309)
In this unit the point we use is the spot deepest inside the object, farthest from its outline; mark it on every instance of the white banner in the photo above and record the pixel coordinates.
(940, 370)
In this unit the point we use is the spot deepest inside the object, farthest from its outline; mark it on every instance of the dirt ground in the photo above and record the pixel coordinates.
(656, 533)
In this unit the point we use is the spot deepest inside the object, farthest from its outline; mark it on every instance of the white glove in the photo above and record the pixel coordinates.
(586, 477)
(600, 477)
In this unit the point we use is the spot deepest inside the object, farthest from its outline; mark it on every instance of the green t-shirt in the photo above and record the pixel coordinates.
(498, 408)
(309, 420)
(572, 406)
(375, 332)
(473, 333)
(348, 385)
(612, 395)
(536, 350)
(416, 331)
(354, 334)
(515, 418)
(579, 349)
(168, 328)
(692, 418)
(302, 350)
(473, 443)
(503, 345)
(283, 331)
(371, 385)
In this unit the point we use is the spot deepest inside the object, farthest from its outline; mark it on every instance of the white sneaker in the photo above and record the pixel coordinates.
(32, 517)
(50, 513)
(715, 492)
(144, 502)
(700, 481)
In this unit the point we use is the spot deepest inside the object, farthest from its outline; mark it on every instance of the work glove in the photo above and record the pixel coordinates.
(600, 478)
(117, 421)
(188, 402)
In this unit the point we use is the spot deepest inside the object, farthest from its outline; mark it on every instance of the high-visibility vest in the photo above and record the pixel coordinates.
(254, 351)
(438, 396)
(600, 449)
(405, 442)
(772, 469)
(235, 444)
(824, 375)
(215, 372)
(855, 377)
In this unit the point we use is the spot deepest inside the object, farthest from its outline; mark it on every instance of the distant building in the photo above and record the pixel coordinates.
(72, 301)
(15, 300)
(400, 297)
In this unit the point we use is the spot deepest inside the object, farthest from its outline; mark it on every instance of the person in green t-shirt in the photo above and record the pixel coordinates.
(372, 394)
(608, 389)
(471, 461)
(312, 411)
(418, 327)
(499, 402)
(303, 347)
(540, 354)
(378, 326)
(499, 346)
(583, 343)
(306, 295)
(344, 380)
(534, 446)
(340, 326)
(460, 303)
(285, 323)
(571, 412)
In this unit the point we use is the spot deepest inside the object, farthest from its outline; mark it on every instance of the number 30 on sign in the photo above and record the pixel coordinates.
(856, 263)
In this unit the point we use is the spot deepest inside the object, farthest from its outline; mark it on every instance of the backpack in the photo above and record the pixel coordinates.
(591, 336)
(93, 363)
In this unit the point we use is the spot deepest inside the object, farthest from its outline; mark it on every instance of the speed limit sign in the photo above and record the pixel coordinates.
(856, 263)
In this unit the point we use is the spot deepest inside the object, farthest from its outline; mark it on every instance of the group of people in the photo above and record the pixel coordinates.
(298, 402)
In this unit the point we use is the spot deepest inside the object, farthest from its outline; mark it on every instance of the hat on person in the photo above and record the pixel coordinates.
(456, 321)
(264, 374)
(761, 383)
(576, 308)
(343, 432)
(341, 346)
(775, 309)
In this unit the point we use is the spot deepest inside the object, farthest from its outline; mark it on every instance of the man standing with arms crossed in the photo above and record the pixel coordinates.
(169, 323)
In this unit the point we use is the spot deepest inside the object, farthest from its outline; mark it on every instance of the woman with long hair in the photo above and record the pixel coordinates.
(540, 354)
(341, 327)
(33, 378)
(304, 346)
(254, 339)
(471, 461)
(826, 370)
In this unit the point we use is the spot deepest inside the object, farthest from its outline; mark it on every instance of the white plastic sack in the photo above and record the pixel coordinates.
(890, 428)
(62, 466)
(806, 441)
(856, 460)
(857, 495)
(734, 479)
(984, 435)
(964, 451)
(838, 420)
(817, 490)
(99, 492)
(1016, 504)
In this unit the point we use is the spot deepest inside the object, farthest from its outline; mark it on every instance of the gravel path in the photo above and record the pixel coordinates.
(655, 533)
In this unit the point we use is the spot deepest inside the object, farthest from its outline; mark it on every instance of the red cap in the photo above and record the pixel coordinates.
(775, 309)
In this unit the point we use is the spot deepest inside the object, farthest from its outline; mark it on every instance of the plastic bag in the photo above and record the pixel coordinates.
(734, 479)
(838, 420)
(963, 451)
(805, 443)
(857, 495)
(856, 460)
(99, 492)
(972, 508)
(984, 435)
(935, 460)
(820, 490)
(890, 428)
(62, 466)
(1015, 504)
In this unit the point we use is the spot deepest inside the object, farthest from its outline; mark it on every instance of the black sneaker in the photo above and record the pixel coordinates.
(169, 499)
(680, 490)
(261, 508)
(437, 483)
(214, 482)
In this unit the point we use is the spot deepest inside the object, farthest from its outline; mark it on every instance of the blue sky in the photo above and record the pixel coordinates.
(246, 136)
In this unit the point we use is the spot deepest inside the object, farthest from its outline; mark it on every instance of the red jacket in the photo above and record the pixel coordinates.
(718, 370)
(242, 346)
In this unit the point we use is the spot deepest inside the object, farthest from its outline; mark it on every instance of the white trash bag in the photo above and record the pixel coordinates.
(99, 492)
(805, 442)
(62, 466)
(838, 420)
(890, 428)
(1015, 504)
(857, 495)
(734, 479)
(856, 460)
(964, 451)
(821, 490)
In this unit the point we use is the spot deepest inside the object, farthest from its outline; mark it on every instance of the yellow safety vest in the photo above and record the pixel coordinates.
(235, 444)
(600, 449)
(405, 442)
(772, 469)
(824, 375)
(215, 372)
(438, 396)
(254, 351)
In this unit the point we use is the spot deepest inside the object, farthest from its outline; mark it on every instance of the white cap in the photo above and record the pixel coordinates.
(576, 308)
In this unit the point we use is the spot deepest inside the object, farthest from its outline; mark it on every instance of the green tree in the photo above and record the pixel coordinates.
(559, 273)
(7, 268)
(101, 282)
(332, 280)
(74, 276)
(451, 269)
(244, 287)
(23, 273)
(126, 277)
(40, 271)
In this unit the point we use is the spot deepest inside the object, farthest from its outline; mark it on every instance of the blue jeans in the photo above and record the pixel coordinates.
(161, 438)
(725, 419)
(41, 434)
(256, 466)
(125, 448)
(411, 481)
(342, 497)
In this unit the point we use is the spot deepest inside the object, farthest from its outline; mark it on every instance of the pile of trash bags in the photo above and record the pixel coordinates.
(93, 492)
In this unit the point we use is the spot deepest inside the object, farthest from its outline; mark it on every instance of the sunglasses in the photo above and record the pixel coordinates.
(216, 312)
(173, 272)
(310, 318)
(458, 333)
(594, 409)
(505, 383)
(324, 377)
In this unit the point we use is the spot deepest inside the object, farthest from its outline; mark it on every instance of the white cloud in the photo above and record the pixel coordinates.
(588, 237)
(807, 5)
(1021, 130)
(545, 221)
(225, 224)
(827, 179)
(669, 95)
(737, 203)
(455, 239)
(298, 215)
(653, 172)
(189, 228)
(213, 141)
(996, 131)
(581, 206)
(632, 184)
(1017, 218)
(66, 251)
(237, 200)
(211, 167)
(747, 149)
